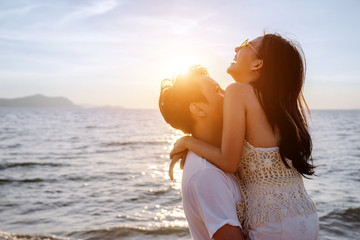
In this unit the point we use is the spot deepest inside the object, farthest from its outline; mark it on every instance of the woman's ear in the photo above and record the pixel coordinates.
(198, 109)
(257, 64)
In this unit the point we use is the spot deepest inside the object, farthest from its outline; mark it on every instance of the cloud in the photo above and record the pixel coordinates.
(173, 25)
(165, 23)
(61, 37)
(16, 11)
(91, 9)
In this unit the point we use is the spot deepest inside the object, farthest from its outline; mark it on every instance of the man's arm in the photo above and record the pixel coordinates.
(227, 232)
(213, 202)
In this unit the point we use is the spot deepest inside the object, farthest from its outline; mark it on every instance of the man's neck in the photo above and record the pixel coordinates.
(207, 134)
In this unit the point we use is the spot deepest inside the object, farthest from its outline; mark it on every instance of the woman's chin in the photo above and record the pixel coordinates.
(230, 69)
(234, 75)
(233, 71)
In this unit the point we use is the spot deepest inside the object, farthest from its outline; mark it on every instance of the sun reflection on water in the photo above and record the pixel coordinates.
(163, 196)
(176, 183)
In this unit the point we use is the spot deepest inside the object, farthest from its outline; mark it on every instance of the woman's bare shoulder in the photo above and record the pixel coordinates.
(241, 91)
(243, 87)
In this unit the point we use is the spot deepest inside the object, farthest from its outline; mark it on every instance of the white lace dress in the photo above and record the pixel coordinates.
(275, 204)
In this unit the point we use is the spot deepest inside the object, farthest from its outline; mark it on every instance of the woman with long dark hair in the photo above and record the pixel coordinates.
(265, 140)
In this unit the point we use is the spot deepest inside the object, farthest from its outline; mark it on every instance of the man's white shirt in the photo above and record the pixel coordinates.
(209, 197)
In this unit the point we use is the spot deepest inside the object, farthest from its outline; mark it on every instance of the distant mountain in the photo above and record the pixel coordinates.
(38, 100)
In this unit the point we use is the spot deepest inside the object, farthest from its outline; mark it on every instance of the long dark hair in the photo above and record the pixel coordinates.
(279, 90)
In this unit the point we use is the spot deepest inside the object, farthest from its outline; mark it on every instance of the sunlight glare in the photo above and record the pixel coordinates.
(180, 65)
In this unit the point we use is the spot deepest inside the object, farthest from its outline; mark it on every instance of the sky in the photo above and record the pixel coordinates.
(116, 52)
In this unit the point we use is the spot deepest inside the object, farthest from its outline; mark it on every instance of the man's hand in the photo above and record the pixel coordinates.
(179, 156)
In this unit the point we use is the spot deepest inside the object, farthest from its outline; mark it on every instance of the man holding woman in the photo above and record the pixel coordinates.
(265, 140)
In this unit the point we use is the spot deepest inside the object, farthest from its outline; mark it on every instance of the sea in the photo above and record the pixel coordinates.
(103, 174)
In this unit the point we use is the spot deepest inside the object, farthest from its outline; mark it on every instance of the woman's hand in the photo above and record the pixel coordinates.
(180, 156)
(179, 146)
(179, 152)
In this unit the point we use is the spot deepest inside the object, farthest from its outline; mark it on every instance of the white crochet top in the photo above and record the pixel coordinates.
(270, 190)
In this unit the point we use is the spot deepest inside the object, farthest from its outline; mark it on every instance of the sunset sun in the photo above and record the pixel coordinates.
(180, 65)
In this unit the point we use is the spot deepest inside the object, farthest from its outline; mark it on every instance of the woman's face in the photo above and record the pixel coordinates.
(246, 58)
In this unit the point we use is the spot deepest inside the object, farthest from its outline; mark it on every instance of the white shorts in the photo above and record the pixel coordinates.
(295, 228)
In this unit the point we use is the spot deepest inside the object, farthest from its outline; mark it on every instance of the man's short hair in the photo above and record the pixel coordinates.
(176, 96)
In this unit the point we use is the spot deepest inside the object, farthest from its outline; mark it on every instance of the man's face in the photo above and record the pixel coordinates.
(215, 97)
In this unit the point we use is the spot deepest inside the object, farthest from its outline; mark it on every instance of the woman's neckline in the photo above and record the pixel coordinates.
(261, 148)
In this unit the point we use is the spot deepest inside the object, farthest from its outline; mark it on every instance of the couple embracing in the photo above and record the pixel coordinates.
(249, 146)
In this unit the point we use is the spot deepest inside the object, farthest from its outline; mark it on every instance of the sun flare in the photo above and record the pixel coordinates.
(180, 65)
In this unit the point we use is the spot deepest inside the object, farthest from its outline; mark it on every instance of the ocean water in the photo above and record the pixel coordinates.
(102, 174)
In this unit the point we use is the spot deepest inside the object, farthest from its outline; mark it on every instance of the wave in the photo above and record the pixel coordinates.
(130, 143)
(9, 236)
(27, 164)
(123, 232)
(109, 234)
(98, 127)
(158, 192)
(27, 180)
(347, 215)
(17, 145)
(62, 178)
(341, 223)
